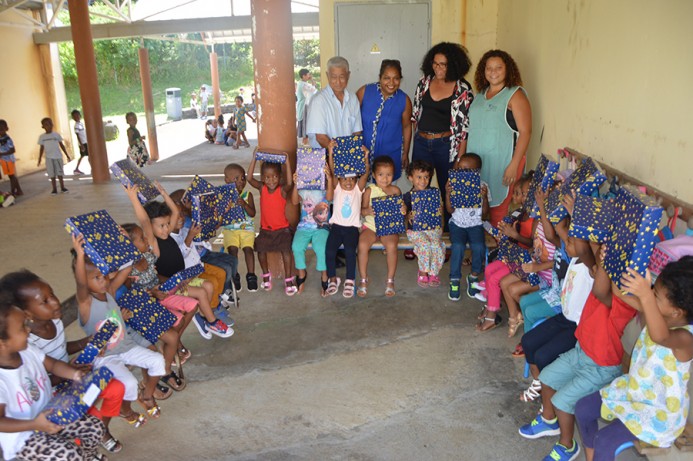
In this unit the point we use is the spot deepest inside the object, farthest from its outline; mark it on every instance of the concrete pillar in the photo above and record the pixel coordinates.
(145, 78)
(214, 67)
(274, 85)
(89, 89)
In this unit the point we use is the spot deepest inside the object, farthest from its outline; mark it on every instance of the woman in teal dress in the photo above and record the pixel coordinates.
(500, 127)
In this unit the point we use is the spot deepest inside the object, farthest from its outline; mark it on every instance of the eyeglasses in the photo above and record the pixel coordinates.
(440, 65)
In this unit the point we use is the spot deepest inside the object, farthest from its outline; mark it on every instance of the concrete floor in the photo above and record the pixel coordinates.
(306, 378)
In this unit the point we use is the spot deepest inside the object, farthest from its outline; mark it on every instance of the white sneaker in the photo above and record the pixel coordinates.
(9, 200)
(480, 296)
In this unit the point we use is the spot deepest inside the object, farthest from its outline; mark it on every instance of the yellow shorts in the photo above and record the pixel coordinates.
(8, 167)
(239, 238)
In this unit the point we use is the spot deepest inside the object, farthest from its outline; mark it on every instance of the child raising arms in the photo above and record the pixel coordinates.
(383, 172)
(275, 234)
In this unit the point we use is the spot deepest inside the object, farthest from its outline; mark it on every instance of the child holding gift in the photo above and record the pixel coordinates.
(650, 402)
(275, 234)
(466, 227)
(44, 313)
(52, 143)
(312, 228)
(383, 172)
(25, 390)
(428, 246)
(344, 224)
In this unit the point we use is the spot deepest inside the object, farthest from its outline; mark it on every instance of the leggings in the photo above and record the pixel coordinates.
(605, 441)
(349, 236)
(493, 274)
(429, 249)
(546, 341)
(61, 446)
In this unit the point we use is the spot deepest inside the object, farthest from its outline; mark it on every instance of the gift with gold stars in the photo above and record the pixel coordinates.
(591, 219)
(465, 188)
(104, 243)
(543, 178)
(389, 218)
(129, 174)
(203, 211)
(197, 186)
(426, 205)
(515, 256)
(179, 277)
(310, 168)
(585, 180)
(227, 209)
(634, 229)
(149, 317)
(97, 343)
(270, 157)
(73, 400)
(349, 157)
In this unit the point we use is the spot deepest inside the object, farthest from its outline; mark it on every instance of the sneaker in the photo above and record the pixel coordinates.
(64, 191)
(471, 291)
(251, 280)
(77, 172)
(201, 325)
(481, 286)
(54, 192)
(481, 296)
(561, 453)
(219, 328)
(9, 200)
(221, 313)
(227, 299)
(454, 292)
(237, 282)
(539, 428)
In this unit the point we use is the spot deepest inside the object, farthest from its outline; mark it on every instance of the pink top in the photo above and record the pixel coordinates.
(543, 251)
(346, 210)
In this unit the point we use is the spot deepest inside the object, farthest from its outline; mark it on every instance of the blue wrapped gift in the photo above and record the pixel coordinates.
(634, 229)
(585, 180)
(515, 256)
(97, 343)
(389, 218)
(180, 277)
(494, 231)
(73, 400)
(203, 211)
(149, 317)
(104, 243)
(197, 186)
(310, 168)
(349, 159)
(591, 219)
(270, 157)
(129, 174)
(227, 209)
(543, 178)
(426, 205)
(465, 188)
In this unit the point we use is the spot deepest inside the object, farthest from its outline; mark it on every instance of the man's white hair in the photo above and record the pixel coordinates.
(337, 61)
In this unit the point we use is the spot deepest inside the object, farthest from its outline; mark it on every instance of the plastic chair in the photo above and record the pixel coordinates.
(624, 446)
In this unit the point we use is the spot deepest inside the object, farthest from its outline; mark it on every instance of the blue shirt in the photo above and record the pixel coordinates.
(326, 115)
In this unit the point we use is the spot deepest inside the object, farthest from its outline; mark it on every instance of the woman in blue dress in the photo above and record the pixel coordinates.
(386, 116)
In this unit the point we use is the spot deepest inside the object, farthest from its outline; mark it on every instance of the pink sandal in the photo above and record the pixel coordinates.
(433, 281)
(423, 280)
(266, 282)
(290, 287)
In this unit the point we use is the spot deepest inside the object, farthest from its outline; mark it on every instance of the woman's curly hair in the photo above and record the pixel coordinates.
(458, 61)
(512, 73)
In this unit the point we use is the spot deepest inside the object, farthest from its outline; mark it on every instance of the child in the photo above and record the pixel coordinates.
(7, 160)
(428, 245)
(275, 234)
(594, 362)
(137, 150)
(96, 303)
(312, 228)
(44, 313)
(240, 112)
(344, 224)
(220, 133)
(383, 172)
(25, 390)
(496, 270)
(211, 130)
(81, 133)
(52, 143)
(466, 226)
(230, 133)
(650, 402)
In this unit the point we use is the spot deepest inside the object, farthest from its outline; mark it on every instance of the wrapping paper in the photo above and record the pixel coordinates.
(310, 168)
(426, 205)
(543, 179)
(388, 215)
(97, 344)
(128, 173)
(73, 400)
(592, 218)
(349, 158)
(585, 180)
(179, 277)
(227, 210)
(203, 210)
(466, 188)
(150, 318)
(270, 157)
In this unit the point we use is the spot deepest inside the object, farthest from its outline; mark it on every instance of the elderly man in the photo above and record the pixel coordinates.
(333, 111)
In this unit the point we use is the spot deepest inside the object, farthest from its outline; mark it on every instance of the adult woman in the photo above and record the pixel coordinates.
(441, 106)
(501, 126)
(386, 116)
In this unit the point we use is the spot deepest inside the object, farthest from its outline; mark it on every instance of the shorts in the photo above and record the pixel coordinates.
(178, 304)
(575, 375)
(54, 167)
(8, 167)
(238, 238)
(277, 240)
(85, 153)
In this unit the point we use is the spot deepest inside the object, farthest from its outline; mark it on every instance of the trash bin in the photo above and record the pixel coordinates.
(174, 104)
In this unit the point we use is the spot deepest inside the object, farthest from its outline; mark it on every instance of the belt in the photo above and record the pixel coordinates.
(427, 135)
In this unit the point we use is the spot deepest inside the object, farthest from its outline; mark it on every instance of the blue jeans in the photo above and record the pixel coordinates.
(437, 153)
(223, 260)
(460, 236)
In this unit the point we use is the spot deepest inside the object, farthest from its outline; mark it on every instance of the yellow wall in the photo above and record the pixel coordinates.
(610, 79)
(24, 95)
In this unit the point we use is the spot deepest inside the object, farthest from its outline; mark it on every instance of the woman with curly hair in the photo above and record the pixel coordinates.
(500, 127)
(441, 107)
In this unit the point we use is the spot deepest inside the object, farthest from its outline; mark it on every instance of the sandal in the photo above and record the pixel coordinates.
(135, 419)
(484, 326)
(362, 290)
(482, 313)
(290, 286)
(390, 288)
(173, 381)
(422, 280)
(433, 281)
(162, 392)
(149, 404)
(519, 352)
(466, 262)
(333, 286)
(100, 457)
(184, 354)
(112, 444)
(348, 291)
(514, 324)
(324, 284)
(299, 284)
(532, 392)
(266, 282)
